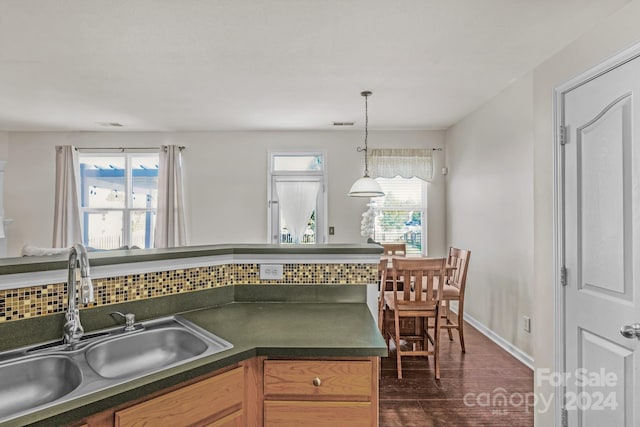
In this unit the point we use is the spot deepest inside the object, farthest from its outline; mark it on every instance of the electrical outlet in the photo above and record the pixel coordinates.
(270, 271)
(526, 323)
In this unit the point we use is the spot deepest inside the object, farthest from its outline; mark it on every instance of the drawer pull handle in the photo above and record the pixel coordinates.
(317, 382)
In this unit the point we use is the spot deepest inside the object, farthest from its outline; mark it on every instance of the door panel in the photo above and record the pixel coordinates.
(600, 147)
(603, 362)
(602, 249)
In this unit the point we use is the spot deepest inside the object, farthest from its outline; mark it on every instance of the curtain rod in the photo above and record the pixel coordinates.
(122, 149)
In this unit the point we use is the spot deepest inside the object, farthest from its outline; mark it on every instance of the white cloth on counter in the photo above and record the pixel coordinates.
(28, 250)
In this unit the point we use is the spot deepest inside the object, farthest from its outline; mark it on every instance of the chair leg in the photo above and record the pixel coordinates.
(436, 346)
(447, 312)
(460, 325)
(385, 332)
(425, 333)
(397, 341)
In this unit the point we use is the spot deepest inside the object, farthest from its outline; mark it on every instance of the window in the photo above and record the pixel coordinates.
(400, 215)
(297, 198)
(118, 199)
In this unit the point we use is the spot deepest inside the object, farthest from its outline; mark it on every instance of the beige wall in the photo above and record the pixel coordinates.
(4, 145)
(608, 38)
(497, 147)
(490, 209)
(226, 174)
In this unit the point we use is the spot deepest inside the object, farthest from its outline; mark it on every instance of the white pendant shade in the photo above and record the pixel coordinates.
(366, 187)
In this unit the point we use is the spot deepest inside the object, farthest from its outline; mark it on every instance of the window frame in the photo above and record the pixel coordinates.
(128, 208)
(273, 217)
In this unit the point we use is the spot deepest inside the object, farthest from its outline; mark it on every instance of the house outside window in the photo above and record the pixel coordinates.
(400, 215)
(118, 199)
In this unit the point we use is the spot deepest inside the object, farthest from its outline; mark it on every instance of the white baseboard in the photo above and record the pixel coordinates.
(506, 345)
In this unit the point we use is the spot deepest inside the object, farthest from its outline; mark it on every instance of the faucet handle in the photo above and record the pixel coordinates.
(129, 318)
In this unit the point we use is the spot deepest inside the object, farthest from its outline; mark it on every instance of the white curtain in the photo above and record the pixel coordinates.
(67, 228)
(170, 220)
(404, 162)
(297, 201)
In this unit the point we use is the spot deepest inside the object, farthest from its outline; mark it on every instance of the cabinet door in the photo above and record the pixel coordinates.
(231, 420)
(200, 403)
(317, 414)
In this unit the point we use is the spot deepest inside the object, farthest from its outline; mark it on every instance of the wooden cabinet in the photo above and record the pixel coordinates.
(202, 403)
(218, 400)
(261, 392)
(235, 419)
(321, 392)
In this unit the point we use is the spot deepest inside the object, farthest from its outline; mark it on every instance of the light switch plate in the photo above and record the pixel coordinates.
(270, 271)
(526, 323)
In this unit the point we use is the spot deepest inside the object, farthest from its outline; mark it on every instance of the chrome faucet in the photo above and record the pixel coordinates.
(73, 328)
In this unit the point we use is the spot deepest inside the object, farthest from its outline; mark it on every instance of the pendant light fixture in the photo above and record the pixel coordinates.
(366, 186)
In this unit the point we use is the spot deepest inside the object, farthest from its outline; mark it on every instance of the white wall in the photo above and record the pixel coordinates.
(606, 39)
(4, 145)
(480, 145)
(226, 174)
(4, 148)
(490, 209)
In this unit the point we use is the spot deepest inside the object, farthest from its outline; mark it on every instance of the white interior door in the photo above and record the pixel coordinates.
(602, 249)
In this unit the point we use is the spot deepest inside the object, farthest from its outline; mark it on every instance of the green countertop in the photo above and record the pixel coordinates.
(295, 329)
(285, 329)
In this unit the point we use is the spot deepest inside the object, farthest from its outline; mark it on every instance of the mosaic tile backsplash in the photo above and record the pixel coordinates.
(49, 299)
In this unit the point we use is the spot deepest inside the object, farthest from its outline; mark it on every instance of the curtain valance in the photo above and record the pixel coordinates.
(406, 162)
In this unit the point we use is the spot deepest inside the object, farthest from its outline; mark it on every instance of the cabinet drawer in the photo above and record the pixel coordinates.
(189, 405)
(317, 414)
(314, 379)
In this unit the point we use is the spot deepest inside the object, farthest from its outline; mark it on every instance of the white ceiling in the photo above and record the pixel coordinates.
(270, 64)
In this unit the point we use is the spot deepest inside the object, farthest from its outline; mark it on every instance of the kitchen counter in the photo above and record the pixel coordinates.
(286, 329)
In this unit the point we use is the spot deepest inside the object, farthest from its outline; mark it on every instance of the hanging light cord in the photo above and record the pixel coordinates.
(366, 95)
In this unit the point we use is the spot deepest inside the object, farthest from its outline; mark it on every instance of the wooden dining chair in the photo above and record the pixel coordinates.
(421, 301)
(454, 291)
(395, 249)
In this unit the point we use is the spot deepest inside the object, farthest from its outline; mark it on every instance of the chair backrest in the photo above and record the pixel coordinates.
(423, 280)
(382, 273)
(458, 258)
(395, 249)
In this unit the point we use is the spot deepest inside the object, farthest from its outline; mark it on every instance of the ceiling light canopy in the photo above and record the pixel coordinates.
(366, 186)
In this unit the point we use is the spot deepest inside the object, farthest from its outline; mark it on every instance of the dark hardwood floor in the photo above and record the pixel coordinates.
(484, 387)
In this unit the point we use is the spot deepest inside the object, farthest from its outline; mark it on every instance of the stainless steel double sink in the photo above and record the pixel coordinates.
(37, 377)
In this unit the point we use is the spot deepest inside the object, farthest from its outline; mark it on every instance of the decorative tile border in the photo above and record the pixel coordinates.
(35, 301)
(325, 274)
